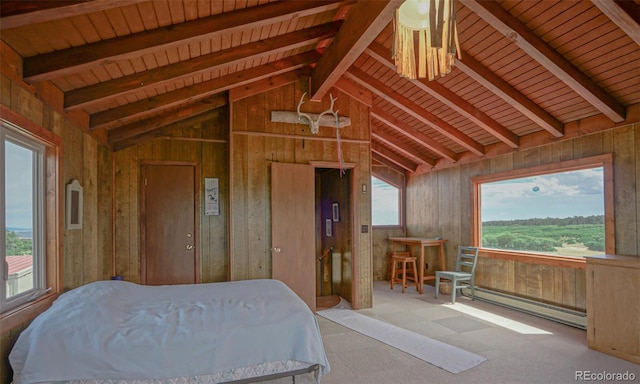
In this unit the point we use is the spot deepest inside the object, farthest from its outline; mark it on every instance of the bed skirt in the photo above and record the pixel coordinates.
(245, 375)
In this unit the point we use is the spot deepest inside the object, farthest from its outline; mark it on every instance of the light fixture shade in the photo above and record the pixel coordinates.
(434, 22)
(414, 14)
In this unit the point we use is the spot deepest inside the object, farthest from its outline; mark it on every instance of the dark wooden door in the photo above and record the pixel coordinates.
(293, 229)
(169, 237)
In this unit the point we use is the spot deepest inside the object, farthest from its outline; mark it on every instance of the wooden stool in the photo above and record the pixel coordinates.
(404, 258)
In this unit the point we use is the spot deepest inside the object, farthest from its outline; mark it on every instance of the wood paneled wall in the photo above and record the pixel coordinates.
(188, 143)
(439, 204)
(269, 142)
(86, 251)
(380, 249)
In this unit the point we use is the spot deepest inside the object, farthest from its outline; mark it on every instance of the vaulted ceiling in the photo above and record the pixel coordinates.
(530, 72)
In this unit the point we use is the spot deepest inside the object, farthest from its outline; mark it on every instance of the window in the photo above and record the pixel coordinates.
(552, 211)
(23, 251)
(385, 203)
(29, 254)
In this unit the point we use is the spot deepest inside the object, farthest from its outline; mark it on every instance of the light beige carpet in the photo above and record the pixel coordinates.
(435, 352)
(520, 348)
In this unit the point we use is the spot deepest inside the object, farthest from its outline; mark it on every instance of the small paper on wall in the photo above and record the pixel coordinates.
(211, 201)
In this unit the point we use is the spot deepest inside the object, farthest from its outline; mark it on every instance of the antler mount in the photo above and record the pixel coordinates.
(328, 118)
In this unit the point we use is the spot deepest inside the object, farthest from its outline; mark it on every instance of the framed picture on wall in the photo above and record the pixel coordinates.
(73, 205)
(328, 230)
(336, 211)
(211, 191)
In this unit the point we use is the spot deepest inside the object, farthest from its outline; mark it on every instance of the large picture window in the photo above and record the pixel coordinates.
(559, 210)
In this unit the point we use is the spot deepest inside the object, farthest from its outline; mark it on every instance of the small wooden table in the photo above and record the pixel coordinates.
(421, 242)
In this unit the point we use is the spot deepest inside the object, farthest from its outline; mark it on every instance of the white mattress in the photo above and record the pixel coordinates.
(115, 331)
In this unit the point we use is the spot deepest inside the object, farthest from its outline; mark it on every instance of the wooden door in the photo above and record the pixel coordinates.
(169, 235)
(293, 228)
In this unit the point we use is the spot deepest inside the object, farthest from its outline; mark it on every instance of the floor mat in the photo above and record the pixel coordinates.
(435, 352)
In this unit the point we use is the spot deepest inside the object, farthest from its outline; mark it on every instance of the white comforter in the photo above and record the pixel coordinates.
(121, 330)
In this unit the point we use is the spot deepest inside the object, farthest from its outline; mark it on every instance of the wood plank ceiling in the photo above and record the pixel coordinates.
(528, 69)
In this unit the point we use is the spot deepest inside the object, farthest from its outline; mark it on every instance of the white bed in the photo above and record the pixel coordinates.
(116, 331)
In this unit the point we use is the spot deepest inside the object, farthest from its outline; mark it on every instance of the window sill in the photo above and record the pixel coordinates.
(26, 312)
(532, 258)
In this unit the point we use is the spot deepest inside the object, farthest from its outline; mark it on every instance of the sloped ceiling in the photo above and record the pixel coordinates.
(530, 70)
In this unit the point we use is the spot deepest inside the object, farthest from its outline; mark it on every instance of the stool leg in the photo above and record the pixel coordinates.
(393, 272)
(404, 275)
(437, 284)
(415, 273)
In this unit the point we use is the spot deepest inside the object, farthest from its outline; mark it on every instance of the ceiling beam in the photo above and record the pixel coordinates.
(363, 23)
(622, 14)
(575, 129)
(387, 93)
(362, 95)
(388, 164)
(168, 117)
(17, 13)
(135, 110)
(450, 99)
(412, 133)
(365, 97)
(75, 59)
(260, 85)
(394, 157)
(165, 132)
(512, 96)
(404, 150)
(554, 62)
(169, 73)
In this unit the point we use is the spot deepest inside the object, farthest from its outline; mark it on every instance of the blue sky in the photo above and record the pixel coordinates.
(18, 176)
(566, 194)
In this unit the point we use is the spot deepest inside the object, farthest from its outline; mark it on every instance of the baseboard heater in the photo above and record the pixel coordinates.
(562, 315)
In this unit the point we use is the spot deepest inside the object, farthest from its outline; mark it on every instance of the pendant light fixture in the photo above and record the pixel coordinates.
(434, 24)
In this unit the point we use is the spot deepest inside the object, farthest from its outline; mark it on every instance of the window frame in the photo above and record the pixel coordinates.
(605, 161)
(8, 134)
(51, 217)
(401, 213)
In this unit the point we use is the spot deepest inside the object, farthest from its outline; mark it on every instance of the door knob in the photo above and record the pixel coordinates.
(189, 247)
(276, 249)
